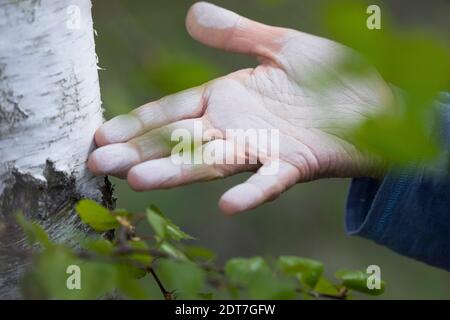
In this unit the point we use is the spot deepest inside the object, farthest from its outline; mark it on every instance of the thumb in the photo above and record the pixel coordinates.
(226, 30)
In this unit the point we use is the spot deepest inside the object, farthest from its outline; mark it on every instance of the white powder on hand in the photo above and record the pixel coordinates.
(211, 16)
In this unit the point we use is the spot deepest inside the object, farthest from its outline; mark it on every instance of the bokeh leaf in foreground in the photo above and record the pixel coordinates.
(96, 216)
(357, 280)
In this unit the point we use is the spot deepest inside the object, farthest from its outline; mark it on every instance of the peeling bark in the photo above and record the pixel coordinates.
(49, 110)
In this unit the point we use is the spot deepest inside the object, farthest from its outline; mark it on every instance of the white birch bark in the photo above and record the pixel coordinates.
(49, 110)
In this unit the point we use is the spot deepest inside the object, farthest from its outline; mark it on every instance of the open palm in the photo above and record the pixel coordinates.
(279, 95)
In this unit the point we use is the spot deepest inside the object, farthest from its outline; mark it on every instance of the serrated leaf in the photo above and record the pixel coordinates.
(163, 227)
(172, 251)
(175, 232)
(96, 216)
(307, 270)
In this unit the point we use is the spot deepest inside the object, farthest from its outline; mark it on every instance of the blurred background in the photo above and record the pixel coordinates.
(145, 53)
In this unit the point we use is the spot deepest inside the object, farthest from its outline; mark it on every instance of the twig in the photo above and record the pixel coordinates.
(167, 295)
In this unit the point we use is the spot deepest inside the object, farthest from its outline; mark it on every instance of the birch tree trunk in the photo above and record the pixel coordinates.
(49, 110)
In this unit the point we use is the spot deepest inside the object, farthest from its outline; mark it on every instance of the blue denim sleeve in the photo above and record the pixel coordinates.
(409, 210)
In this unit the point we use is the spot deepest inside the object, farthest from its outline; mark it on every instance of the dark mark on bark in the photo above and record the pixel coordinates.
(28, 9)
(37, 198)
(108, 199)
(50, 203)
(70, 99)
(10, 111)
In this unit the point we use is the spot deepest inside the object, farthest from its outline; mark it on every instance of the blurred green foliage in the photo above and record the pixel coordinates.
(122, 266)
(174, 72)
(416, 62)
(357, 280)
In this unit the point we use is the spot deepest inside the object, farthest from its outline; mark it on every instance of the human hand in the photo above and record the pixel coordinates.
(275, 95)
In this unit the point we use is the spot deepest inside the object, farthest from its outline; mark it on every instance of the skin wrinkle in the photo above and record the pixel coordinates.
(142, 111)
(141, 123)
(138, 150)
(343, 80)
(163, 105)
(278, 94)
(306, 161)
(274, 189)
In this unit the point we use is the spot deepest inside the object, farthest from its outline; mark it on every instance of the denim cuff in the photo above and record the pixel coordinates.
(409, 210)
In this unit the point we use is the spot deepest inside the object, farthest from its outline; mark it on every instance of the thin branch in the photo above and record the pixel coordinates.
(167, 295)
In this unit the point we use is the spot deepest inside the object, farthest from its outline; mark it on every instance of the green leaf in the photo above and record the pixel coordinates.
(96, 216)
(98, 279)
(34, 232)
(51, 273)
(128, 285)
(48, 274)
(324, 286)
(199, 253)
(173, 251)
(245, 270)
(163, 227)
(307, 270)
(184, 278)
(121, 212)
(357, 280)
(255, 275)
(175, 233)
(416, 62)
(142, 258)
(398, 140)
(99, 246)
(272, 288)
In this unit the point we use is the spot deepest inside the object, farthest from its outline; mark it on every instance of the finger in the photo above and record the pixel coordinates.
(166, 173)
(116, 159)
(226, 30)
(182, 105)
(272, 179)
